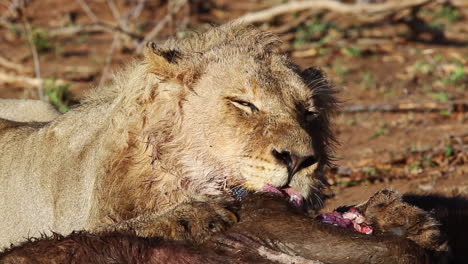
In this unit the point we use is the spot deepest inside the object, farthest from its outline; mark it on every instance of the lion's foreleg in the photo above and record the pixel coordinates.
(194, 221)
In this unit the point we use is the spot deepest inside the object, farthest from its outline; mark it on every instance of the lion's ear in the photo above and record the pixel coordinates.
(162, 62)
(166, 63)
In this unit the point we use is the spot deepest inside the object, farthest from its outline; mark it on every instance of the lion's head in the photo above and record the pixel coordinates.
(241, 115)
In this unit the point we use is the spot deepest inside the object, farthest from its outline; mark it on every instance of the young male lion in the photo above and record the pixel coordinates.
(159, 151)
(173, 133)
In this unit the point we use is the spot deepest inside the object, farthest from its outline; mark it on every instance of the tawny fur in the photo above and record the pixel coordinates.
(170, 129)
(25, 110)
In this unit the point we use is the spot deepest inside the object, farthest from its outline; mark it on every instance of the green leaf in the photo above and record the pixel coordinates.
(57, 94)
(440, 96)
(448, 151)
(444, 112)
(352, 51)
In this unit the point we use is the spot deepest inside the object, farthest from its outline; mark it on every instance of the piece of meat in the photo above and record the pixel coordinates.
(351, 219)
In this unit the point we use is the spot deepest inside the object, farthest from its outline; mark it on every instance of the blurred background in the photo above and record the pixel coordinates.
(400, 65)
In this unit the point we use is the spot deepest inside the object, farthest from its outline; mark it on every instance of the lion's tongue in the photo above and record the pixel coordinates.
(273, 189)
(294, 196)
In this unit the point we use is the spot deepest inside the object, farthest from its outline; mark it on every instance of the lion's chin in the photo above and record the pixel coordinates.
(293, 195)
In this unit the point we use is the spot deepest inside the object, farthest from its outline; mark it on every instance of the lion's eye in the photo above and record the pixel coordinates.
(246, 106)
(311, 115)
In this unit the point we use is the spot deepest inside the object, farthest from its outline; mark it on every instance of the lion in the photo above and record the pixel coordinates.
(179, 133)
(26, 110)
(195, 121)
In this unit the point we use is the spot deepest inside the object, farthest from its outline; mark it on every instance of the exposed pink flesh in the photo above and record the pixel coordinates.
(294, 196)
(352, 219)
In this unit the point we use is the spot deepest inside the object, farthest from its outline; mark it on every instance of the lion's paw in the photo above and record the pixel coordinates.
(195, 221)
(387, 213)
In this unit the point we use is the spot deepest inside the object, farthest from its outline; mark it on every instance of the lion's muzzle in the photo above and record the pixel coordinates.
(293, 161)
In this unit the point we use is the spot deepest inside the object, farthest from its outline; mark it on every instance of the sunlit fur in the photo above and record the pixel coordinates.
(167, 131)
(26, 110)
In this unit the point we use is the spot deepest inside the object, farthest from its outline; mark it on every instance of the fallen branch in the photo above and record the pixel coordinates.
(93, 28)
(296, 22)
(14, 8)
(136, 11)
(35, 54)
(25, 80)
(88, 10)
(12, 66)
(459, 3)
(360, 10)
(115, 12)
(453, 106)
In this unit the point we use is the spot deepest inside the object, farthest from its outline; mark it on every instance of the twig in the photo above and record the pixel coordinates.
(119, 29)
(460, 135)
(14, 8)
(91, 28)
(105, 71)
(32, 46)
(114, 10)
(25, 80)
(5, 23)
(135, 13)
(167, 18)
(360, 10)
(12, 66)
(88, 11)
(116, 14)
(453, 106)
(296, 22)
(186, 18)
(459, 3)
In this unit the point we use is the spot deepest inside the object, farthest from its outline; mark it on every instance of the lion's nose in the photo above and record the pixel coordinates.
(293, 162)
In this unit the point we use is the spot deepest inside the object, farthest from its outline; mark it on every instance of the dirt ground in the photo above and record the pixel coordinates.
(403, 81)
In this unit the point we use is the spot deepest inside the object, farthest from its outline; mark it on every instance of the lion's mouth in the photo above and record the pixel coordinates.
(289, 193)
(293, 195)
